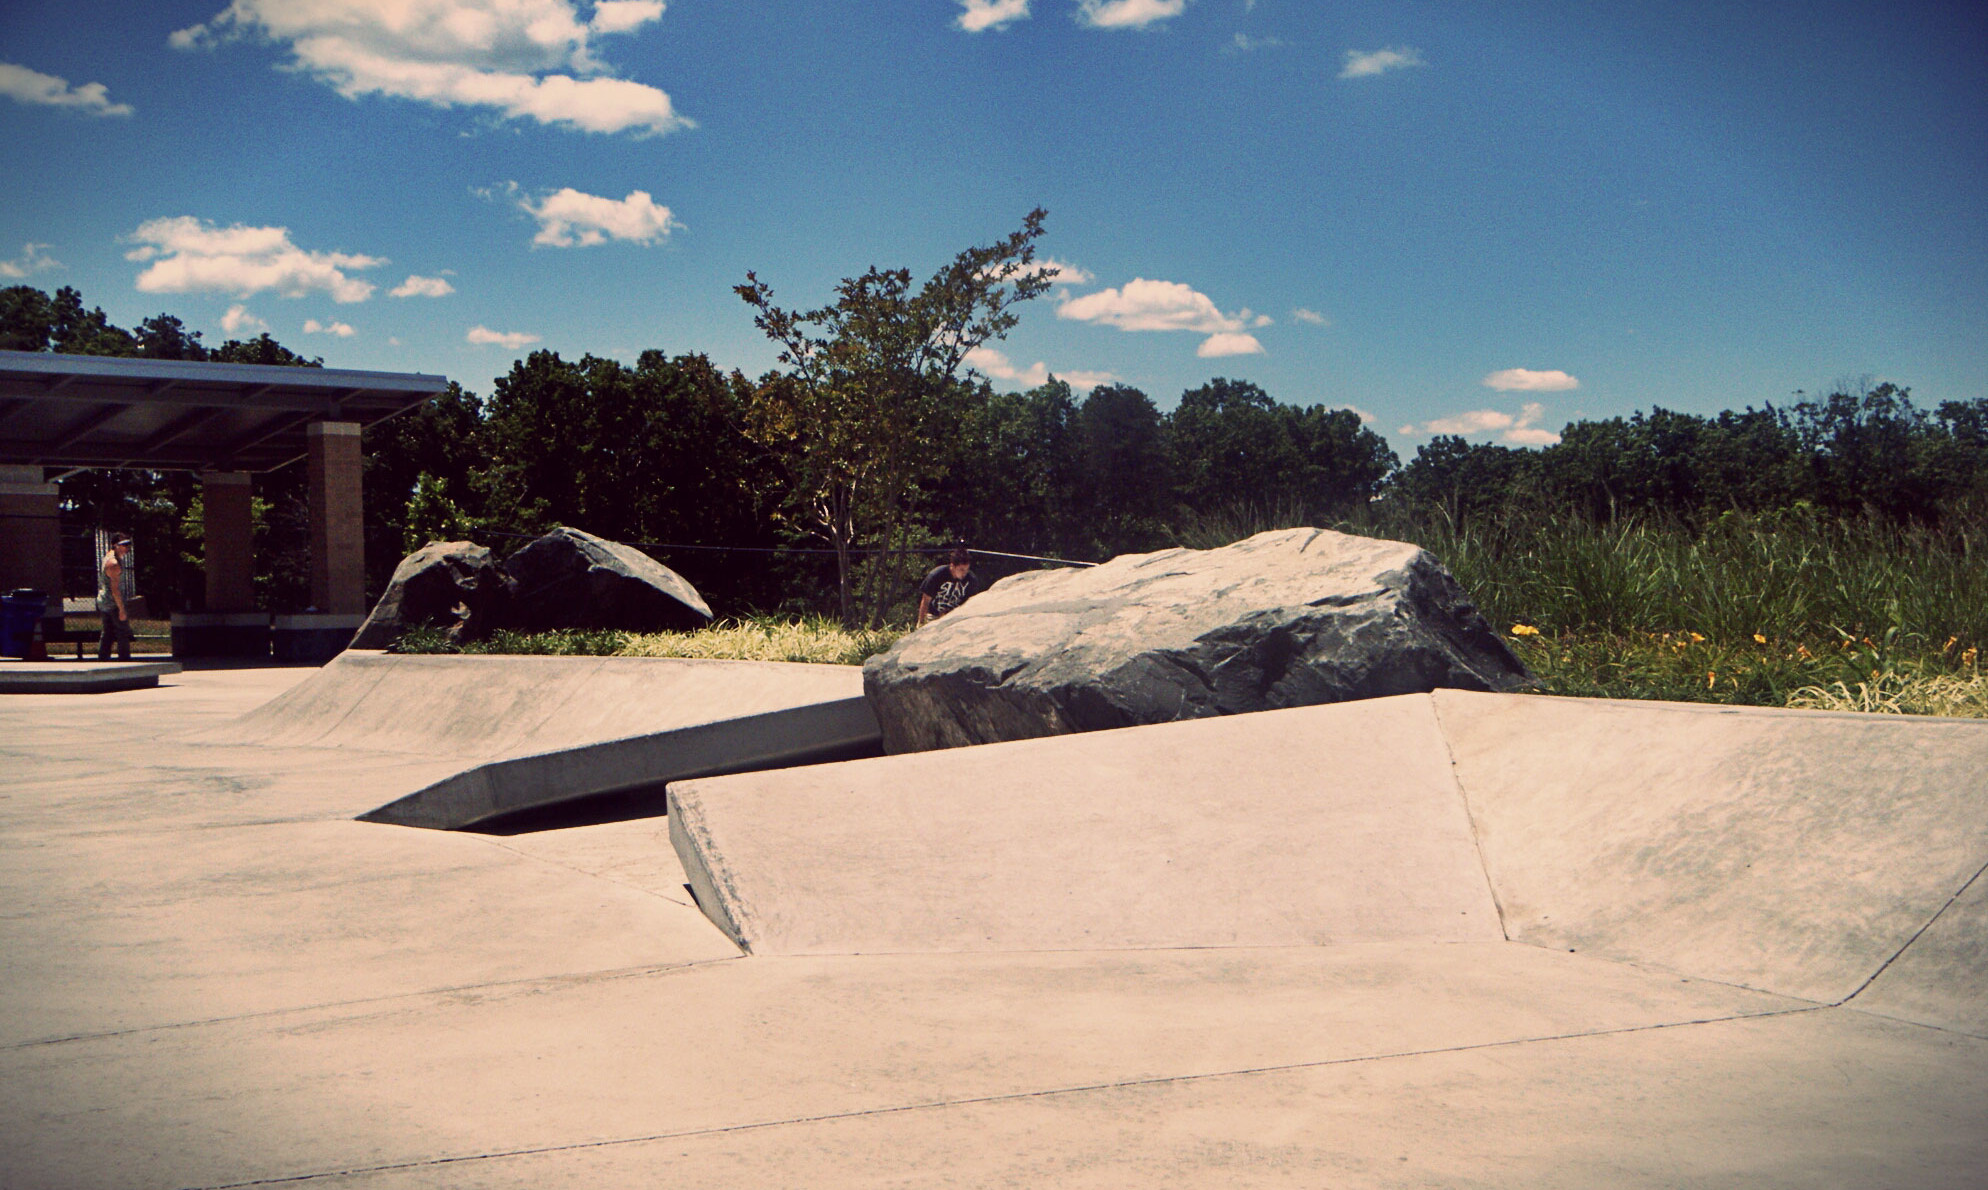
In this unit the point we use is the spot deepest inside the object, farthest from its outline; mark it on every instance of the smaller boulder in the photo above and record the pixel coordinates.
(572, 579)
(452, 585)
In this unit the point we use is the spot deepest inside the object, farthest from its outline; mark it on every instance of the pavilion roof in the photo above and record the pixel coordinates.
(103, 411)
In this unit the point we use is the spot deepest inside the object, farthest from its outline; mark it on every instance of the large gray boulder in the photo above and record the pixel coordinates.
(452, 585)
(572, 579)
(1286, 618)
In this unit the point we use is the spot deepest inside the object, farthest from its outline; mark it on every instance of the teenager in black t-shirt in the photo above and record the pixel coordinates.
(947, 587)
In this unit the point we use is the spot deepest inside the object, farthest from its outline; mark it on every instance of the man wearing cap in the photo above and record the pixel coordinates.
(116, 588)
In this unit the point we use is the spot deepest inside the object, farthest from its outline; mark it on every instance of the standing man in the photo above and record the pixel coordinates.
(116, 588)
(947, 586)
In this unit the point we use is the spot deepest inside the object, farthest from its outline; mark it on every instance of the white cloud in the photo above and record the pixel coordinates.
(1519, 429)
(995, 365)
(526, 59)
(1525, 380)
(1312, 316)
(1151, 306)
(568, 218)
(991, 14)
(33, 260)
(189, 255)
(1365, 417)
(512, 339)
(343, 330)
(1144, 305)
(46, 90)
(1477, 421)
(1243, 43)
(419, 286)
(1228, 343)
(1361, 65)
(624, 16)
(1061, 273)
(239, 321)
(1126, 14)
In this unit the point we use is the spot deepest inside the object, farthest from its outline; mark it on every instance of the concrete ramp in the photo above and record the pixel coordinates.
(1942, 977)
(1793, 852)
(1310, 826)
(533, 732)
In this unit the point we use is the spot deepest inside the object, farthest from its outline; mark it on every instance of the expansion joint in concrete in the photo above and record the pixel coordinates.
(1463, 795)
(571, 977)
(1957, 895)
(981, 1100)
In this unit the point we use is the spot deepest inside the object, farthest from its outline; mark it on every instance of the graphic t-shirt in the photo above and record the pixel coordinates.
(947, 592)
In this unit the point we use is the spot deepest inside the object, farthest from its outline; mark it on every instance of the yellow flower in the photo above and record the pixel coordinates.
(1711, 678)
(1697, 639)
(1968, 657)
(1759, 639)
(1524, 630)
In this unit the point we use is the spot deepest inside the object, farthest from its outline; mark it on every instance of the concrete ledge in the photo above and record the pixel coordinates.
(311, 637)
(81, 677)
(220, 634)
(828, 731)
(1305, 827)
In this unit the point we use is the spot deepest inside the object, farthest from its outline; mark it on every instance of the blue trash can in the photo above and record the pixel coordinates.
(20, 611)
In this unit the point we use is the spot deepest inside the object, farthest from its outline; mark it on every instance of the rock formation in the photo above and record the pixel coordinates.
(1286, 618)
(571, 579)
(452, 585)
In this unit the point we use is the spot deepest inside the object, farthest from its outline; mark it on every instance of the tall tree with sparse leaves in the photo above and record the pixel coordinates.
(872, 397)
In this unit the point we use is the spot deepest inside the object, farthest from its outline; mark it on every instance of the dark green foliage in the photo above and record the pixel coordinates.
(1232, 443)
(1851, 454)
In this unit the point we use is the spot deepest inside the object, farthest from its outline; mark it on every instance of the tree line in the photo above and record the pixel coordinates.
(733, 479)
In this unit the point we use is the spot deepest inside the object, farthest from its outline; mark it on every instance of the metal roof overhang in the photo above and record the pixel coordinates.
(175, 415)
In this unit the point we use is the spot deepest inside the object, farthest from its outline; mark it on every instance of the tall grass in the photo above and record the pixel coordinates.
(1792, 576)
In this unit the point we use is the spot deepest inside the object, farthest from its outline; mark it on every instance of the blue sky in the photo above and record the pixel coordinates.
(1451, 216)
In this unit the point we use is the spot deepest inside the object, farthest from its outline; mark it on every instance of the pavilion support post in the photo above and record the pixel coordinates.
(30, 535)
(228, 531)
(338, 540)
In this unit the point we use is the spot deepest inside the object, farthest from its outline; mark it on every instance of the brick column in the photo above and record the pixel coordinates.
(30, 535)
(228, 529)
(338, 539)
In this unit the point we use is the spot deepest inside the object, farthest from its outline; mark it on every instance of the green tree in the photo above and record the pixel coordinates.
(864, 418)
(1125, 479)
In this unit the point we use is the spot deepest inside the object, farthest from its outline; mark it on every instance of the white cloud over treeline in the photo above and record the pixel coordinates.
(1526, 380)
(188, 255)
(524, 59)
(484, 336)
(1518, 429)
(995, 365)
(1147, 305)
(32, 260)
(46, 90)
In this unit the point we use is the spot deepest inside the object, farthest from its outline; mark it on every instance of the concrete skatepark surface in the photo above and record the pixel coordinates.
(215, 977)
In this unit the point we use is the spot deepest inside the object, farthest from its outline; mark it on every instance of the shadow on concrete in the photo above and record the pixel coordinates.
(648, 801)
